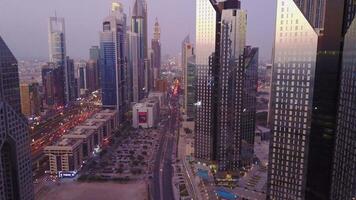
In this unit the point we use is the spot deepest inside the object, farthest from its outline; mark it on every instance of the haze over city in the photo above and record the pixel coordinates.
(178, 100)
(83, 23)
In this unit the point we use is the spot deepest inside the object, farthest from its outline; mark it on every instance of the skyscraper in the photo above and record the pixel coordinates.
(139, 26)
(16, 167)
(52, 81)
(344, 165)
(94, 68)
(57, 55)
(205, 46)
(70, 83)
(156, 47)
(113, 61)
(30, 99)
(308, 51)
(223, 83)
(187, 52)
(133, 67)
(9, 78)
(81, 68)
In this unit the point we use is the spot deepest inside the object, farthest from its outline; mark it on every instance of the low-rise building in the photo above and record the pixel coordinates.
(146, 113)
(65, 156)
(87, 137)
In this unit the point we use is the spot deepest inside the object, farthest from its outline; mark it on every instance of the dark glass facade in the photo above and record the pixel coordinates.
(304, 98)
(9, 78)
(15, 157)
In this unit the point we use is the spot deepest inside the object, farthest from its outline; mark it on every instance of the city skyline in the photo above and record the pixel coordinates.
(260, 33)
(178, 99)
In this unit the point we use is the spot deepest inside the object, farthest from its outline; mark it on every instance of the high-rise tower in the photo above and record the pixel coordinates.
(113, 63)
(15, 155)
(308, 53)
(139, 26)
(221, 84)
(187, 62)
(156, 48)
(58, 56)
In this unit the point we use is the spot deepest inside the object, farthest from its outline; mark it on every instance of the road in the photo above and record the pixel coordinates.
(163, 170)
(51, 129)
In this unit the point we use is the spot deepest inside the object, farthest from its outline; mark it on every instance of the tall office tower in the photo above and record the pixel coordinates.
(81, 68)
(30, 99)
(139, 26)
(190, 88)
(9, 78)
(156, 47)
(344, 167)
(308, 52)
(57, 54)
(113, 61)
(249, 78)
(223, 84)
(94, 67)
(187, 52)
(94, 53)
(15, 156)
(52, 81)
(205, 46)
(70, 84)
(133, 66)
(56, 40)
(151, 70)
(92, 76)
(228, 69)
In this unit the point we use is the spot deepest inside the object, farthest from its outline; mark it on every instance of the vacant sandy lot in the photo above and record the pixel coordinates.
(95, 191)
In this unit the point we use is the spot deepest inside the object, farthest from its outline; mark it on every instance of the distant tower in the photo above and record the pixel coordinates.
(157, 31)
(94, 68)
(15, 156)
(156, 47)
(187, 53)
(57, 55)
(139, 26)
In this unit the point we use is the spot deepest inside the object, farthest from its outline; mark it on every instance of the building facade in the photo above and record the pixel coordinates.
(156, 48)
(57, 56)
(133, 66)
(16, 167)
(146, 113)
(139, 26)
(223, 85)
(188, 80)
(344, 165)
(30, 99)
(70, 82)
(114, 61)
(52, 81)
(94, 67)
(308, 51)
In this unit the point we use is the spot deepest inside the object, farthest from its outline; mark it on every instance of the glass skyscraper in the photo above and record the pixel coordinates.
(139, 26)
(222, 119)
(304, 97)
(15, 156)
(113, 63)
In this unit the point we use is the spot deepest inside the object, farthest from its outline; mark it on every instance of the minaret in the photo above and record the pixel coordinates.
(157, 31)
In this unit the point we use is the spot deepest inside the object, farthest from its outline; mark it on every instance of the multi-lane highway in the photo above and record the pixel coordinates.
(51, 129)
(163, 170)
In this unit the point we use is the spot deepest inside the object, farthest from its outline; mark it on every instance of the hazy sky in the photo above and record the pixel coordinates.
(24, 24)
